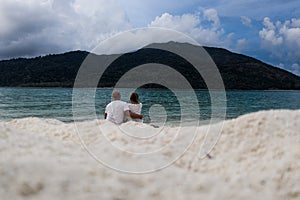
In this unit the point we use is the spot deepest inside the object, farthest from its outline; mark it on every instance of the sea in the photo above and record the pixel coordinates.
(159, 105)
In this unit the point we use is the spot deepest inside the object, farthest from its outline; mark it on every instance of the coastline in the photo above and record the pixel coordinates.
(196, 89)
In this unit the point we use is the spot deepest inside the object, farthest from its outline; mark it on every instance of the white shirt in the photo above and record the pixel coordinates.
(115, 111)
(136, 108)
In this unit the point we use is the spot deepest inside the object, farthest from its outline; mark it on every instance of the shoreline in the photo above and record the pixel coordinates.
(217, 120)
(110, 88)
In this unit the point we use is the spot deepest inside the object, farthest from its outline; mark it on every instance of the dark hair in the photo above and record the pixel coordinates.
(134, 98)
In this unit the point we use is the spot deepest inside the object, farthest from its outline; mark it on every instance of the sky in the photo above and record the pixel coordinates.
(268, 30)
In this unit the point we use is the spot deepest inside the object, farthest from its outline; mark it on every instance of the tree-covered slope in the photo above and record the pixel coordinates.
(237, 71)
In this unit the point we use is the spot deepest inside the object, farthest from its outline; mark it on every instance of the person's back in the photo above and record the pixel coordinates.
(135, 106)
(116, 111)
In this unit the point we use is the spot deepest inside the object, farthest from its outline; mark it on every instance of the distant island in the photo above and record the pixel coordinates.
(239, 72)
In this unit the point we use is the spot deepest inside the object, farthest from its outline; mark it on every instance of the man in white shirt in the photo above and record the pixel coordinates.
(117, 111)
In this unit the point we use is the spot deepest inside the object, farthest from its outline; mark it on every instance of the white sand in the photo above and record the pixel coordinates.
(256, 157)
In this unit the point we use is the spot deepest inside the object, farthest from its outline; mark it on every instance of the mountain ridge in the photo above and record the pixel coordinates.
(238, 71)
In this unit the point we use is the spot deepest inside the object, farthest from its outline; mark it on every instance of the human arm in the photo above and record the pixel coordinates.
(135, 116)
(107, 110)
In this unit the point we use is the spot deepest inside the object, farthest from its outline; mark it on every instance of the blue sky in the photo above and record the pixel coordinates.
(268, 30)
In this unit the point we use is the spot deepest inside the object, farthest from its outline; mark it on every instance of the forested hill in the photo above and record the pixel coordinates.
(238, 71)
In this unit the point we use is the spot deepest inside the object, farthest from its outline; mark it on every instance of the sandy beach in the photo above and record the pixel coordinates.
(256, 157)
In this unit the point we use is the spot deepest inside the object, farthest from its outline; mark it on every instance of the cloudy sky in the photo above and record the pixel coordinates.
(268, 30)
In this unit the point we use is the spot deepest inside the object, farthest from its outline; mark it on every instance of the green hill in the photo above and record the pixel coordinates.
(238, 71)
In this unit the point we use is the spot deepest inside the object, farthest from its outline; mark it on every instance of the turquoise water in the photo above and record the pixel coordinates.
(157, 104)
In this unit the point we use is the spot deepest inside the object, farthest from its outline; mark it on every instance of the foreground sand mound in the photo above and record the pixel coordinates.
(256, 157)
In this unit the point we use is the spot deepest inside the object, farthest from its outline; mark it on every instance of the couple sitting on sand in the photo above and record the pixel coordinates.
(119, 111)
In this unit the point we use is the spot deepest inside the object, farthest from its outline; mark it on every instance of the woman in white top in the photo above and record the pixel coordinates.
(135, 106)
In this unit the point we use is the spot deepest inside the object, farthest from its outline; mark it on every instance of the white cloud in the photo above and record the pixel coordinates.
(141, 12)
(282, 38)
(268, 24)
(182, 23)
(209, 34)
(35, 27)
(296, 69)
(268, 34)
(246, 21)
(295, 22)
(203, 27)
(212, 15)
(242, 44)
(291, 33)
